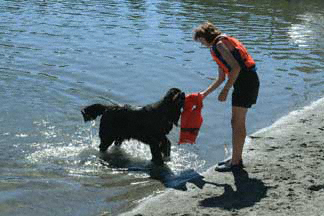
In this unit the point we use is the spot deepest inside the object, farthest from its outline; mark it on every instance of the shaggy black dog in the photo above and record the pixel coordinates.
(149, 124)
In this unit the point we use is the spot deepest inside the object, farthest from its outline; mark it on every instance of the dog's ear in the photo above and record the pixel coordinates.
(182, 99)
(178, 101)
(176, 117)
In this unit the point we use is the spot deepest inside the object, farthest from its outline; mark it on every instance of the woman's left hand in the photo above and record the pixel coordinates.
(223, 95)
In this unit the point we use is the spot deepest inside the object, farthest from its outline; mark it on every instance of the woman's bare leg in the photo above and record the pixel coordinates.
(238, 133)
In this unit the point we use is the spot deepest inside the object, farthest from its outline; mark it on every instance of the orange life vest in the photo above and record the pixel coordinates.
(191, 118)
(240, 53)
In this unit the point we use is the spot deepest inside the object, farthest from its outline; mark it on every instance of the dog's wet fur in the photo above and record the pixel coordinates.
(148, 124)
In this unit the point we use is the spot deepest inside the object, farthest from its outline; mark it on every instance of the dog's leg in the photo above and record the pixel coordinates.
(105, 143)
(165, 148)
(118, 142)
(156, 153)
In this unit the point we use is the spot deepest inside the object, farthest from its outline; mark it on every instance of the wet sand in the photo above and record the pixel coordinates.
(283, 175)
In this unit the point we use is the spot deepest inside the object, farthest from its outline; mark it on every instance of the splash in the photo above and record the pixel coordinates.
(77, 154)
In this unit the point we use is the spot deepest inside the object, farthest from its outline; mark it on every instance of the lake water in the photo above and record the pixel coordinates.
(58, 56)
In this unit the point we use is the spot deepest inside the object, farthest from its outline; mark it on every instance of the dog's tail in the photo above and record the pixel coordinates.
(93, 111)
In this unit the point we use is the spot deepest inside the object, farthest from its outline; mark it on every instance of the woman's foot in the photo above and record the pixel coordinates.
(227, 166)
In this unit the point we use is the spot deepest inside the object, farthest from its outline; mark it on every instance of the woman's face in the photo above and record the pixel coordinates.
(204, 42)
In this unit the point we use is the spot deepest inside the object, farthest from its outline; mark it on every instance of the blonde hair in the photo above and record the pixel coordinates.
(206, 30)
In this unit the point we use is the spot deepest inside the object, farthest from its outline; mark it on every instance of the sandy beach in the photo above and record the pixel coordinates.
(283, 175)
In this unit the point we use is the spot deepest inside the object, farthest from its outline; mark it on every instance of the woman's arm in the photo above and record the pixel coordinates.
(215, 84)
(235, 70)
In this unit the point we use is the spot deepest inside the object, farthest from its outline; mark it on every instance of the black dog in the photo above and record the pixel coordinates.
(149, 124)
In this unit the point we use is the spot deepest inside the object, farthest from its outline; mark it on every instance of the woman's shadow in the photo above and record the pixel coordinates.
(248, 192)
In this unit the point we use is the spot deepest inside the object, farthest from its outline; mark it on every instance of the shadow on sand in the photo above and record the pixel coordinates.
(248, 192)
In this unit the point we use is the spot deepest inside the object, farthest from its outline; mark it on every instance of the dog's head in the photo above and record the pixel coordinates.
(86, 116)
(174, 99)
(91, 112)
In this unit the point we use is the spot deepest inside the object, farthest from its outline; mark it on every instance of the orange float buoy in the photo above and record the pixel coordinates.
(191, 118)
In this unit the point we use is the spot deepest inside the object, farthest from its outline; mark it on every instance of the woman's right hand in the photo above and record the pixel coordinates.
(223, 95)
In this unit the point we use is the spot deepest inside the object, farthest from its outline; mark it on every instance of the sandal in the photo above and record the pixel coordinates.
(227, 167)
(226, 161)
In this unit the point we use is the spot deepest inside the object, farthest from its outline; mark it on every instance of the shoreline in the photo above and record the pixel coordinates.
(284, 166)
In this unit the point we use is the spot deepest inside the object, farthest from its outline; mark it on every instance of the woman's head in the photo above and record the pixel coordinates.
(206, 32)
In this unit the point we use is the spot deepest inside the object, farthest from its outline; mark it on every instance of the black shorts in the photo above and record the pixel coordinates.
(246, 89)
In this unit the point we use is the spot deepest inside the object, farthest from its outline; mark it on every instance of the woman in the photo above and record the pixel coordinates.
(237, 65)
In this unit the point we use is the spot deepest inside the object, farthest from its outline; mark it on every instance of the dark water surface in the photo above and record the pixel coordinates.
(57, 56)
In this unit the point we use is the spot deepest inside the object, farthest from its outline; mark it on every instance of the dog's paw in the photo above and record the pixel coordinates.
(103, 148)
(166, 158)
(158, 162)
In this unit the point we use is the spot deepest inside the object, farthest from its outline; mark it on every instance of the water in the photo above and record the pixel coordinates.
(57, 56)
